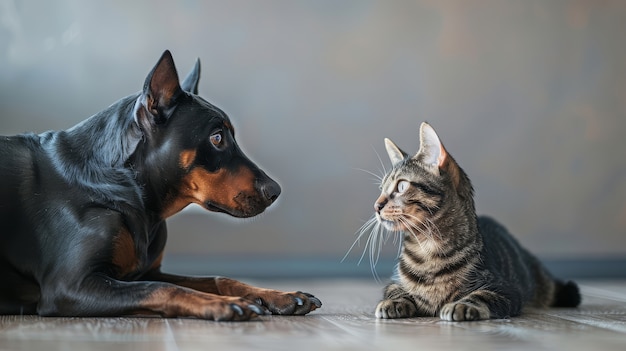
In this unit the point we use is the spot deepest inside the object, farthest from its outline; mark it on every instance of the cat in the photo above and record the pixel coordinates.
(452, 263)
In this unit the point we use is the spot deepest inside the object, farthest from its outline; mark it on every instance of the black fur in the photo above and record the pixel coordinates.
(82, 211)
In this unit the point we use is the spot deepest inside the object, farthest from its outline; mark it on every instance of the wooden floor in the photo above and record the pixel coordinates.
(345, 322)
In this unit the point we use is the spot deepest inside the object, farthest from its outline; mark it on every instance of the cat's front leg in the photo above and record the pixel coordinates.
(480, 304)
(463, 311)
(396, 308)
(397, 303)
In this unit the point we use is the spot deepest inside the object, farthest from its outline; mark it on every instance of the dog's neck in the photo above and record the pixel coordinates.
(109, 137)
(116, 141)
(96, 151)
(156, 173)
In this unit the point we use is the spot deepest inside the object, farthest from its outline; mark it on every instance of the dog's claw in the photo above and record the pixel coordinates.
(237, 309)
(315, 301)
(258, 310)
(299, 301)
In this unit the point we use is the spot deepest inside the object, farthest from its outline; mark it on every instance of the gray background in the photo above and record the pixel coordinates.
(529, 97)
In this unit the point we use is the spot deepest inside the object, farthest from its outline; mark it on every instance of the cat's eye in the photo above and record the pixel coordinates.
(216, 139)
(403, 185)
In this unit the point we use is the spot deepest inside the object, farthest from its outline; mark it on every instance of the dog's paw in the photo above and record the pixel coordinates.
(286, 303)
(233, 309)
(459, 311)
(395, 308)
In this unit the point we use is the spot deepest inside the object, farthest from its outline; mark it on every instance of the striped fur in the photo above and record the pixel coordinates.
(454, 264)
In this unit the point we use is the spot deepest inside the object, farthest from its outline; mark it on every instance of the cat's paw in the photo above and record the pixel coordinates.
(459, 311)
(395, 308)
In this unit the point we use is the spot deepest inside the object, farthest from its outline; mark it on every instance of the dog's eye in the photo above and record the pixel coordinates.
(402, 186)
(216, 139)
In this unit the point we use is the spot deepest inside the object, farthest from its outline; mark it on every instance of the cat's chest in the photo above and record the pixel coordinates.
(437, 280)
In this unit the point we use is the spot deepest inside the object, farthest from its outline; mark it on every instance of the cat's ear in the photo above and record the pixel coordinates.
(395, 154)
(432, 154)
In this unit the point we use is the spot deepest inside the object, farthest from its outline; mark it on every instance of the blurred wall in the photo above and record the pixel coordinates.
(529, 97)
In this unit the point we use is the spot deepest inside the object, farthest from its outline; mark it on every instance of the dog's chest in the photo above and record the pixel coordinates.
(129, 259)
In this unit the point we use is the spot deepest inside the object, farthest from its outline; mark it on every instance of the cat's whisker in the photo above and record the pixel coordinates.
(411, 227)
(384, 235)
(438, 232)
(397, 240)
(368, 243)
(374, 235)
(382, 164)
(377, 237)
(430, 230)
(433, 231)
(377, 178)
(425, 229)
(365, 229)
(378, 233)
(414, 224)
(436, 207)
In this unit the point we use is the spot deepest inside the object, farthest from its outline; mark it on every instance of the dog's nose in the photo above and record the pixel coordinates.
(270, 190)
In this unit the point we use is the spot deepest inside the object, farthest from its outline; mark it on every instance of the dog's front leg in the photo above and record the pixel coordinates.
(277, 302)
(98, 295)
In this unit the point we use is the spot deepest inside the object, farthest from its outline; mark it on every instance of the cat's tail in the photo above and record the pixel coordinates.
(566, 294)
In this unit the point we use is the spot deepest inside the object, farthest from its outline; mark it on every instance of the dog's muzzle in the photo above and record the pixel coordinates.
(270, 190)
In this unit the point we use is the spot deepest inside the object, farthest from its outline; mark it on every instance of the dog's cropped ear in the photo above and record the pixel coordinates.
(190, 84)
(161, 89)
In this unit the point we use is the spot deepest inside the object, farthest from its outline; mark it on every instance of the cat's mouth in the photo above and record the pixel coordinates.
(391, 224)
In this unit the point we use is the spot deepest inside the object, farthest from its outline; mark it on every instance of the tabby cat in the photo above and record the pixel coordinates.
(453, 263)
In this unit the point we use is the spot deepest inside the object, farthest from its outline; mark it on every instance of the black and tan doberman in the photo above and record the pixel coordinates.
(82, 211)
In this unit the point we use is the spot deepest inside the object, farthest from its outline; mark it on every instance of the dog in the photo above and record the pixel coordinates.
(83, 211)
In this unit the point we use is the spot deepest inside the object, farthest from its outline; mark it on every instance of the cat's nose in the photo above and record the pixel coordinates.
(378, 206)
(380, 203)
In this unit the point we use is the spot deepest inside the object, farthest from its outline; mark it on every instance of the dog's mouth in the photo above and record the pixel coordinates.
(242, 212)
(215, 208)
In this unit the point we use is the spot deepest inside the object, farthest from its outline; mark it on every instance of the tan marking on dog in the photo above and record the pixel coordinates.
(182, 302)
(186, 158)
(229, 127)
(124, 255)
(157, 263)
(175, 302)
(201, 186)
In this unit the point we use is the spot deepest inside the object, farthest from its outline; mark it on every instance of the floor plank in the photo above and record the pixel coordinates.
(345, 322)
